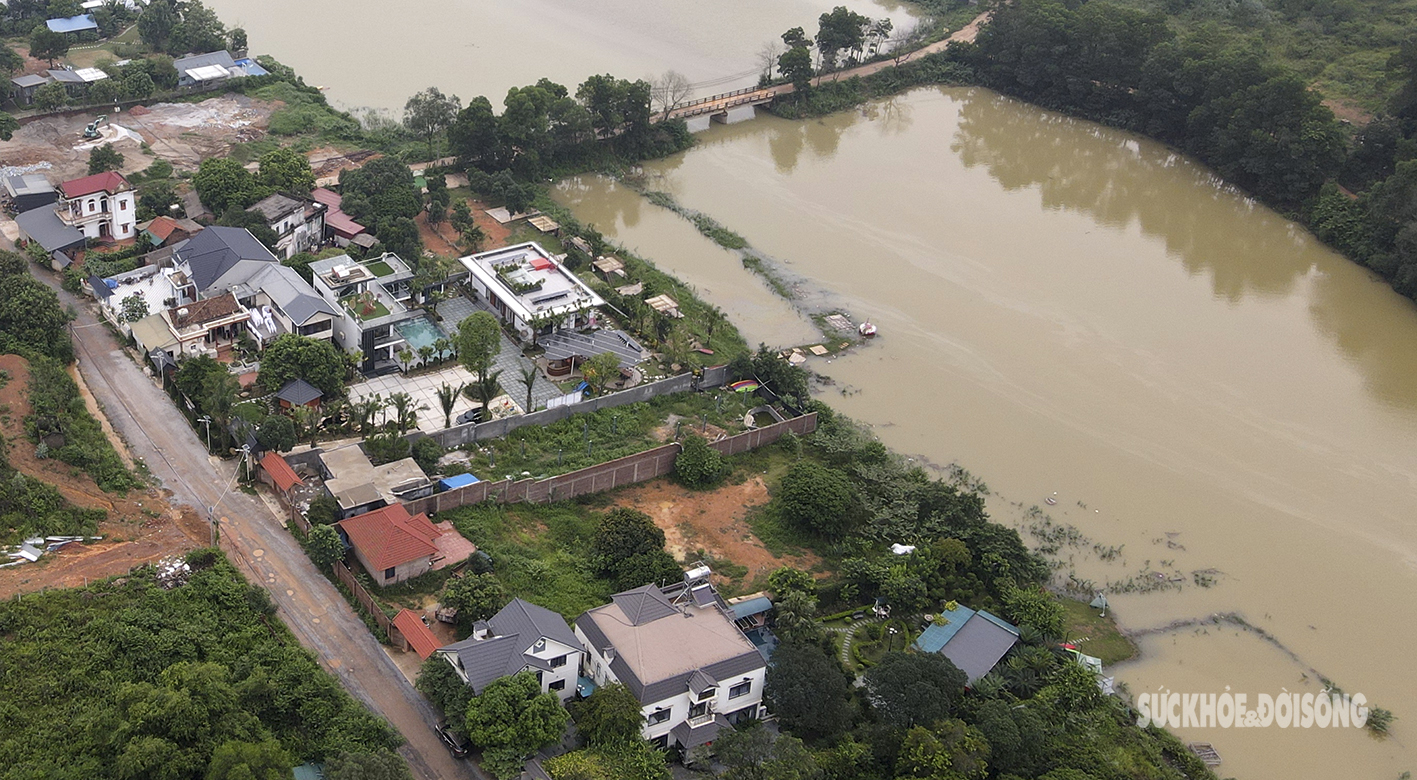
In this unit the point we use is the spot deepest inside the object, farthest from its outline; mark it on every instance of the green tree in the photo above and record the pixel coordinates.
(447, 399)
(628, 549)
(105, 91)
(285, 170)
(324, 510)
(429, 113)
(795, 65)
(909, 689)
(317, 361)
(475, 597)
(133, 308)
(753, 753)
(474, 137)
(223, 183)
(1033, 606)
(382, 189)
(795, 618)
(138, 84)
(440, 683)
(250, 761)
(528, 378)
(947, 750)
(610, 715)
(277, 432)
(31, 319)
(698, 465)
(301, 261)
(479, 341)
(8, 125)
(48, 45)
(817, 498)
(325, 546)
(1017, 736)
(841, 31)
(237, 39)
(485, 391)
(383, 765)
(510, 719)
(51, 96)
(104, 158)
(10, 61)
(808, 692)
(157, 23)
(789, 580)
(600, 370)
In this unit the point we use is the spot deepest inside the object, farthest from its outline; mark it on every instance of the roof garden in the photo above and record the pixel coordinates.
(530, 282)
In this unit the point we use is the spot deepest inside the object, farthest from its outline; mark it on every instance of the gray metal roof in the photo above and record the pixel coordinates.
(298, 392)
(288, 289)
(693, 737)
(101, 290)
(216, 250)
(29, 80)
(978, 646)
(222, 58)
(644, 604)
(66, 76)
(701, 681)
(44, 226)
(517, 628)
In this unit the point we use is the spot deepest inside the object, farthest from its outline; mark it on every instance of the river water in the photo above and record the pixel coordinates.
(376, 53)
(1069, 309)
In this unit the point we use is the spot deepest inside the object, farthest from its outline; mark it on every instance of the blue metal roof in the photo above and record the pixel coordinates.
(751, 607)
(73, 24)
(935, 636)
(457, 481)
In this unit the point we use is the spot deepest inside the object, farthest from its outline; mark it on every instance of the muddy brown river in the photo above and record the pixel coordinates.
(1073, 312)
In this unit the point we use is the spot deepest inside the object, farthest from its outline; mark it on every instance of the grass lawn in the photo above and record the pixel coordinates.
(611, 433)
(358, 309)
(379, 268)
(1095, 635)
(539, 551)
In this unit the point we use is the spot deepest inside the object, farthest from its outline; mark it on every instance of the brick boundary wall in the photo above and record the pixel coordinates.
(629, 470)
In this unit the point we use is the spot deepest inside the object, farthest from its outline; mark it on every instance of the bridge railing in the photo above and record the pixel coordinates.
(700, 101)
(706, 107)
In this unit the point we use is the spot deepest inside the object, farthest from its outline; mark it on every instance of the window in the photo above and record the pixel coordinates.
(698, 709)
(741, 689)
(319, 327)
(388, 574)
(122, 205)
(559, 685)
(658, 716)
(558, 662)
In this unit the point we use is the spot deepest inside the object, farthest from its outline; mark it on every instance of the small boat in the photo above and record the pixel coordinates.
(1050, 501)
(867, 330)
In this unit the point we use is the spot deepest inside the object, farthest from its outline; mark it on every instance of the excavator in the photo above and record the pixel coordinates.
(91, 131)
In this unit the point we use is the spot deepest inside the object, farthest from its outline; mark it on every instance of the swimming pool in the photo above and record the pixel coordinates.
(420, 332)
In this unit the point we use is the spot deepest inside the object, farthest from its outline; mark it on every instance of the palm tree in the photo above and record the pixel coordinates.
(405, 356)
(307, 420)
(405, 413)
(447, 399)
(425, 354)
(485, 390)
(529, 375)
(443, 347)
(219, 397)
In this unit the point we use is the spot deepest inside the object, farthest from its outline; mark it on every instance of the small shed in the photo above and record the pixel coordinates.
(545, 224)
(608, 265)
(278, 473)
(73, 24)
(30, 190)
(298, 392)
(416, 634)
(665, 305)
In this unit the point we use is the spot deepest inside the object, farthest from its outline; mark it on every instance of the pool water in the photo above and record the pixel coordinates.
(420, 332)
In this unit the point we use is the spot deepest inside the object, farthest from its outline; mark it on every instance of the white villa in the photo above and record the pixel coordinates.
(521, 637)
(680, 652)
(530, 290)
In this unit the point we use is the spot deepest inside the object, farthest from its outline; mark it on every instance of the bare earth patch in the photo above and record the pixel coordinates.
(712, 521)
(141, 527)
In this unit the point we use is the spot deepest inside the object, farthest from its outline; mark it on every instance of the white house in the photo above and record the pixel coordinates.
(679, 651)
(299, 224)
(530, 290)
(102, 206)
(521, 637)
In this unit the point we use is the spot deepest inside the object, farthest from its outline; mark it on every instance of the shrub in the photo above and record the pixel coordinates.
(698, 465)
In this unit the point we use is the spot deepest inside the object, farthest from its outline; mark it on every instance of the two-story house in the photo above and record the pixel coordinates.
(299, 223)
(521, 637)
(678, 650)
(102, 206)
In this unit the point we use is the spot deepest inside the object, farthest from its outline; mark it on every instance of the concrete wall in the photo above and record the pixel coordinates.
(609, 475)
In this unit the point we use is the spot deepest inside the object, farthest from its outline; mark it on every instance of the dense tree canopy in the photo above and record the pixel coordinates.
(285, 170)
(817, 499)
(808, 691)
(223, 183)
(317, 361)
(510, 719)
(610, 715)
(628, 549)
(31, 319)
(914, 689)
(475, 597)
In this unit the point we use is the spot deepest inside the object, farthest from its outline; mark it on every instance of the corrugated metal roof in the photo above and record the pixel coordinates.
(978, 645)
(755, 606)
(73, 24)
(936, 635)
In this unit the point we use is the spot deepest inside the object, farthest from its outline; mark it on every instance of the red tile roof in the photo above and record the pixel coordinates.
(111, 182)
(419, 637)
(335, 219)
(390, 536)
(281, 473)
(162, 227)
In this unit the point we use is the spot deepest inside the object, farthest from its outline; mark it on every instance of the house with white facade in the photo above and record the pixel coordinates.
(679, 651)
(530, 290)
(102, 206)
(521, 637)
(299, 223)
(374, 300)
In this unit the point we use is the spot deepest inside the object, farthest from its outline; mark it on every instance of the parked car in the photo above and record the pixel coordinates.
(457, 743)
(472, 416)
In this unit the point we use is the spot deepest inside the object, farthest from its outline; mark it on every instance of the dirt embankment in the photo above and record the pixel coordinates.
(141, 526)
(712, 521)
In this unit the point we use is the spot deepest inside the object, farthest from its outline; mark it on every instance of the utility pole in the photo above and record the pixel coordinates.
(207, 421)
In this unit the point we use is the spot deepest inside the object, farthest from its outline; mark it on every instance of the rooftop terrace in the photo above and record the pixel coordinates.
(530, 282)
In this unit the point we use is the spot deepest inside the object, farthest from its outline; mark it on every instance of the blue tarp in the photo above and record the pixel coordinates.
(78, 23)
(457, 481)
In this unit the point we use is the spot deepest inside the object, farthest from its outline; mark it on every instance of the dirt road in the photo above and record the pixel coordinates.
(256, 541)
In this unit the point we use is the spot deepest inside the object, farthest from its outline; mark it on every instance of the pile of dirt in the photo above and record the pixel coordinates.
(142, 526)
(712, 521)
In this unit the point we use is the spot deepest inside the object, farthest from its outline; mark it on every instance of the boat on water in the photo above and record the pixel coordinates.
(867, 330)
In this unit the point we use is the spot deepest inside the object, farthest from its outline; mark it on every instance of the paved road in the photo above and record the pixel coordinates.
(267, 553)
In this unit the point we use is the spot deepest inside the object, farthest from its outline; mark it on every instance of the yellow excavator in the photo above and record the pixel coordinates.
(91, 131)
